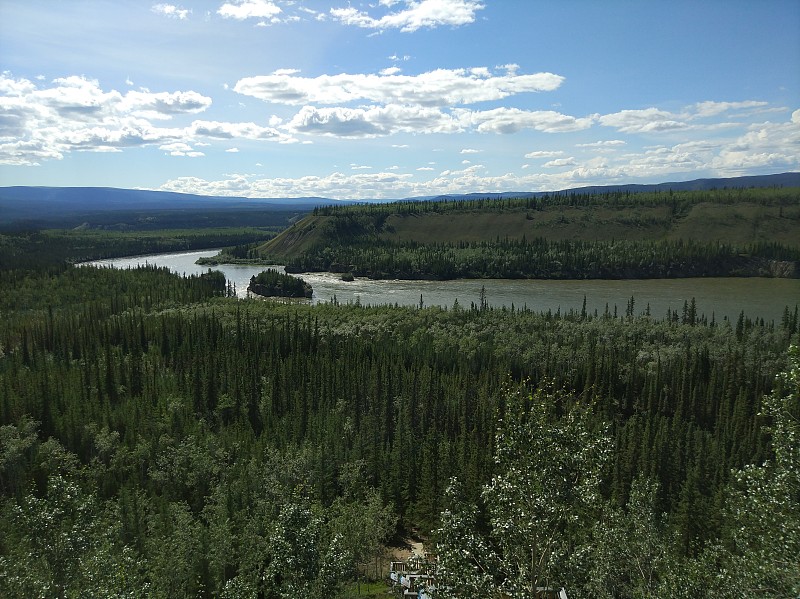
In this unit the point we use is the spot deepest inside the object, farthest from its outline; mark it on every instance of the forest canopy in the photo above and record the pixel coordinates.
(613, 235)
(161, 438)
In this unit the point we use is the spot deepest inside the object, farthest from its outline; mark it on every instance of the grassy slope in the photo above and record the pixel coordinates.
(739, 223)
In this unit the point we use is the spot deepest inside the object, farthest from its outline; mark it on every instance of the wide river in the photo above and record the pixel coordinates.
(764, 298)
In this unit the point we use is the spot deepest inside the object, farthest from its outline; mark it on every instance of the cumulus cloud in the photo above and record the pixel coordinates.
(469, 151)
(76, 114)
(647, 120)
(764, 146)
(371, 121)
(707, 109)
(418, 14)
(249, 9)
(773, 145)
(171, 11)
(374, 121)
(544, 154)
(610, 143)
(226, 130)
(560, 162)
(334, 185)
(655, 120)
(442, 87)
(512, 120)
(181, 149)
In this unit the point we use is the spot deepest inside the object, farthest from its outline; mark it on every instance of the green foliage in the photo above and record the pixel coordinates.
(271, 283)
(762, 542)
(31, 249)
(613, 235)
(540, 503)
(190, 443)
(630, 554)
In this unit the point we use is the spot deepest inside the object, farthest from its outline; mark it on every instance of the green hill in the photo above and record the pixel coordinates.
(722, 232)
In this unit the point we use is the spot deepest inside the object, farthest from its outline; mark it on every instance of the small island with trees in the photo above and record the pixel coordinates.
(271, 283)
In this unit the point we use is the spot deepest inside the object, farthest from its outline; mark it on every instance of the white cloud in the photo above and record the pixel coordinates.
(512, 120)
(648, 120)
(773, 145)
(510, 68)
(708, 109)
(377, 121)
(249, 9)
(764, 147)
(76, 114)
(654, 120)
(334, 185)
(226, 130)
(372, 121)
(231, 150)
(164, 105)
(390, 71)
(469, 151)
(544, 154)
(442, 87)
(419, 14)
(181, 149)
(426, 168)
(560, 162)
(610, 143)
(171, 11)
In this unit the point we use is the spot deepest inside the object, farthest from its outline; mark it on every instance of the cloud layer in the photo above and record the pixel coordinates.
(421, 14)
(442, 87)
(76, 114)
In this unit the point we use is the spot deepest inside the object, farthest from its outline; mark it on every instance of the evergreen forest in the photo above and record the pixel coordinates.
(611, 235)
(160, 438)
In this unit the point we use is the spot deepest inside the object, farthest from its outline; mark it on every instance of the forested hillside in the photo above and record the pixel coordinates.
(729, 232)
(158, 438)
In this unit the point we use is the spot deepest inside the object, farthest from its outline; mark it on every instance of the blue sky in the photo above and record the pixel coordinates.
(395, 98)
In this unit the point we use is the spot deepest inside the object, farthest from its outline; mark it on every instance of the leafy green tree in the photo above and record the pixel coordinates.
(65, 544)
(175, 552)
(761, 554)
(304, 561)
(540, 503)
(18, 444)
(630, 554)
(360, 518)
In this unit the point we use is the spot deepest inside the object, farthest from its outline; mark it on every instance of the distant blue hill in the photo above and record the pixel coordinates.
(777, 180)
(66, 207)
(101, 206)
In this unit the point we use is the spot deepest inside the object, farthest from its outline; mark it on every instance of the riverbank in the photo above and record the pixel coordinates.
(718, 297)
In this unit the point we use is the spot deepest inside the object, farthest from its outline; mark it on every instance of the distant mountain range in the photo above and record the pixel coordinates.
(104, 206)
(778, 180)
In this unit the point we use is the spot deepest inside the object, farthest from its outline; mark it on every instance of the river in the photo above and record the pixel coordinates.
(720, 297)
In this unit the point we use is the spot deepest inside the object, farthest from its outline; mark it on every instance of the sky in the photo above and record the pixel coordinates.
(395, 98)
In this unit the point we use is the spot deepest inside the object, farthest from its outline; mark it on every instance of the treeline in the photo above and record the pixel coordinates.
(543, 259)
(719, 233)
(271, 283)
(31, 249)
(679, 201)
(159, 439)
